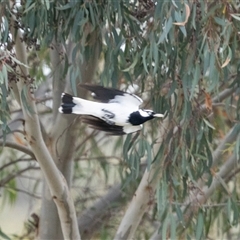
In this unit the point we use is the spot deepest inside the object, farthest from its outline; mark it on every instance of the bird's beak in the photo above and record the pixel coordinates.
(158, 115)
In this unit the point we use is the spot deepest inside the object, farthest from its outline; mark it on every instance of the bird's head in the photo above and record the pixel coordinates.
(143, 115)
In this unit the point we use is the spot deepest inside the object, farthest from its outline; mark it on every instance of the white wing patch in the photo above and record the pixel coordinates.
(127, 99)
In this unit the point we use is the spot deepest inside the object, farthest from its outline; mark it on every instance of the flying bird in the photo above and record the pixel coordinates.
(116, 112)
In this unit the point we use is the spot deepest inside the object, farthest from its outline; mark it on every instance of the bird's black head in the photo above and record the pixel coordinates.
(141, 116)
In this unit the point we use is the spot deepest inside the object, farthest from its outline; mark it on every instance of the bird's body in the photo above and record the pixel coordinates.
(105, 111)
(117, 112)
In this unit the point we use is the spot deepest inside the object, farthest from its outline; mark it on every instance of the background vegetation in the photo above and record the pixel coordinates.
(177, 178)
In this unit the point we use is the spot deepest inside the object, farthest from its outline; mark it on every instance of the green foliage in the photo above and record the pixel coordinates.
(10, 194)
(4, 113)
(182, 64)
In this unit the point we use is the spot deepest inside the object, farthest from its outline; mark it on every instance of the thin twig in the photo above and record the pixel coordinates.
(17, 147)
(11, 176)
(232, 174)
(98, 158)
(204, 205)
(23, 191)
(14, 162)
(37, 178)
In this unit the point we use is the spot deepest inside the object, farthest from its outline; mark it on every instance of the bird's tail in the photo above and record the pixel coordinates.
(68, 104)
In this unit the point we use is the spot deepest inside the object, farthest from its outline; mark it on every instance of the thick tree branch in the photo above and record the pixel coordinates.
(64, 134)
(228, 139)
(56, 182)
(58, 77)
(94, 216)
(219, 151)
(229, 165)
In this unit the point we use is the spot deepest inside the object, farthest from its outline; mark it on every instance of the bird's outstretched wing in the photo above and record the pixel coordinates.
(107, 95)
(99, 124)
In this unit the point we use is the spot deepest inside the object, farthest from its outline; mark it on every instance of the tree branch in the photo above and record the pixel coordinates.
(11, 176)
(93, 217)
(18, 147)
(228, 139)
(218, 152)
(25, 192)
(194, 203)
(14, 162)
(56, 182)
(61, 147)
(58, 78)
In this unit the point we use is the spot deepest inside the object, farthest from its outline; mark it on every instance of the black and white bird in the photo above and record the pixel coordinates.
(116, 112)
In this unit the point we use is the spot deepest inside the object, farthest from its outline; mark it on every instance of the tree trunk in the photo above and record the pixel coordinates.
(63, 136)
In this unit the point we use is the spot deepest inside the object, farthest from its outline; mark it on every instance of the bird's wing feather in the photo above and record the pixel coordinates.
(99, 124)
(107, 95)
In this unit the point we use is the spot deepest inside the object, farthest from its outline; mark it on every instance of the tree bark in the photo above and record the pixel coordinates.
(64, 132)
(56, 182)
(93, 217)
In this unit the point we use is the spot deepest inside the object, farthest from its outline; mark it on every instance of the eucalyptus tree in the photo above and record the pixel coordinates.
(174, 179)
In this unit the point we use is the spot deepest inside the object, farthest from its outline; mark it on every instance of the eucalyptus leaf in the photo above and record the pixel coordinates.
(200, 225)
(144, 57)
(166, 29)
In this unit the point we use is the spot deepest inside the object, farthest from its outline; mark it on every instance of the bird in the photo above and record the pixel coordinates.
(115, 112)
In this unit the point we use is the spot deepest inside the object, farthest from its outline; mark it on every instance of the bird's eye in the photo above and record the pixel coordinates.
(150, 113)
